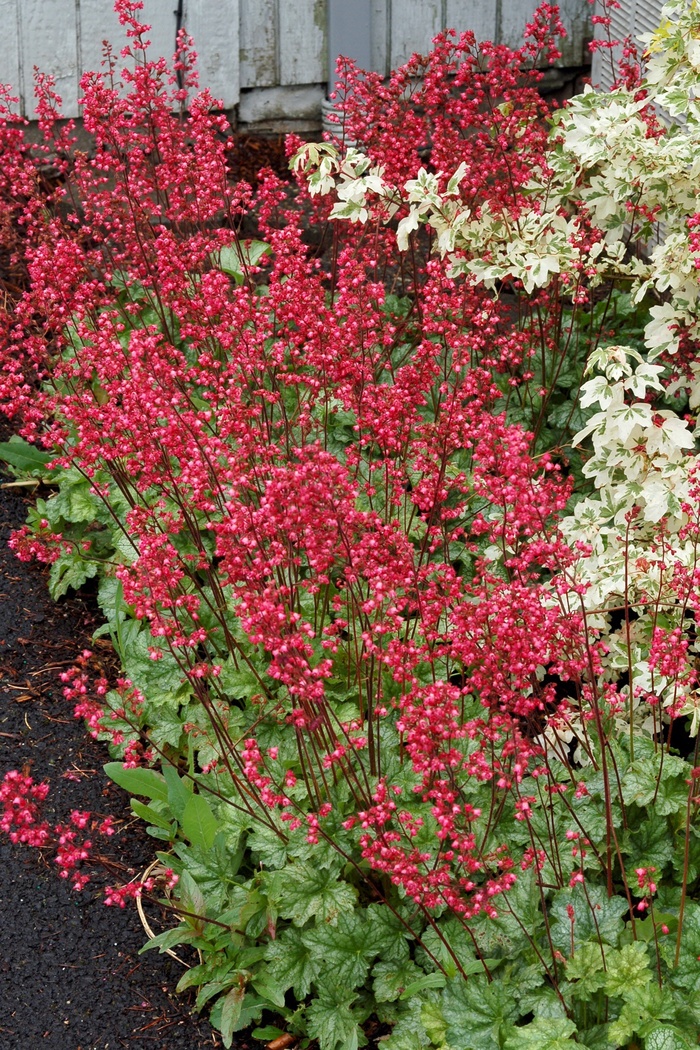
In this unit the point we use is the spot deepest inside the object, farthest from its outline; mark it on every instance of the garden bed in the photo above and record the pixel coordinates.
(71, 977)
(396, 543)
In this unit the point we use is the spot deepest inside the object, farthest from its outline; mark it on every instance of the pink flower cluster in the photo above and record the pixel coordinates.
(322, 447)
(21, 800)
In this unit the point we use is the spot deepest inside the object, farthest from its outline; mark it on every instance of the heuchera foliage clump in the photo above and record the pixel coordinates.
(407, 662)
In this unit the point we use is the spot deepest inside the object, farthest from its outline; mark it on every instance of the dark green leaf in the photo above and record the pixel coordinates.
(153, 816)
(179, 790)
(138, 781)
(198, 823)
(230, 1014)
(25, 457)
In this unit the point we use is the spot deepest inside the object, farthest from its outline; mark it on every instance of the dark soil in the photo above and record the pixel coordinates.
(71, 977)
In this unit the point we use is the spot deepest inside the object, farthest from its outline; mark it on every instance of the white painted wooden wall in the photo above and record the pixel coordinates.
(248, 45)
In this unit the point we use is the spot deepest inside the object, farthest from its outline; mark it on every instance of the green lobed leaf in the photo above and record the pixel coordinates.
(687, 974)
(627, 969)
(544, 1033)
(666, 1037)
(74, 501)
(392, 980)
(650, 844)
(268, 848)
(586, 969)
(239, 683)
(477, 1013)
(333, 1023)
(597, 917)
(433, 1022)
(71, 570)
(291, 963)
(304, 891)
(159, 680)
(167, 727)
(389, 933)
(409, 1032)
(642, 1005)
(542, 1002)
(659, 779)
(342, 953)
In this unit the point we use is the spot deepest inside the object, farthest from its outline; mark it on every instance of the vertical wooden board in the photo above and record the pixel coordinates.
(303, 41)
(576, 16)
(381, 35)
(215, 29)
(414, 23)
(97, 23)
(48, 40)
(9, 52)
(514, 16)
(161, 16)
(479, 16)
(259, 43)
(215, 38)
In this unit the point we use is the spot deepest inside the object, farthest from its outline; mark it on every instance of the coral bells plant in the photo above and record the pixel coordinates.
(405, 602)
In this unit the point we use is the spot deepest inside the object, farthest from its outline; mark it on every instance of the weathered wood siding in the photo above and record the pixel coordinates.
(65, 37)
(248, 44)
